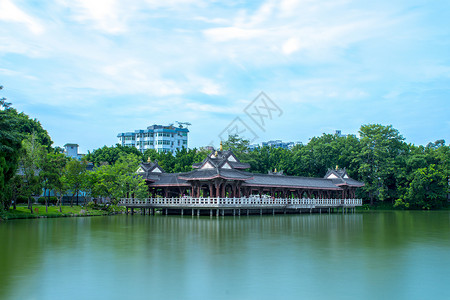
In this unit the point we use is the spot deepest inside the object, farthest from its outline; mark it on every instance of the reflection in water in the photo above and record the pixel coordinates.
(372, 255)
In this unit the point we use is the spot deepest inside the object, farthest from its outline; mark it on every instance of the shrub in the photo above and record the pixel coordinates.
(92, 205)
(51, 200)
(21, 199)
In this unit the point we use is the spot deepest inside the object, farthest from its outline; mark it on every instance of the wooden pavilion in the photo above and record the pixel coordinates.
(222, 175)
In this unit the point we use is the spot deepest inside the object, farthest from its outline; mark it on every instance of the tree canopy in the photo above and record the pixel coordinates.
(393, 171)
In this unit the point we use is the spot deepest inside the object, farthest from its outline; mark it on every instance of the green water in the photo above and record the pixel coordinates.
(381, 255)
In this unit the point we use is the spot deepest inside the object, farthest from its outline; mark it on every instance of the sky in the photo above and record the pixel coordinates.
(88, 70)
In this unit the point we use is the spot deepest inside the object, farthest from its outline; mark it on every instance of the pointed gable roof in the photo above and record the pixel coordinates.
(221, 159)
(340, 177)
(223, 164)
(150, 170)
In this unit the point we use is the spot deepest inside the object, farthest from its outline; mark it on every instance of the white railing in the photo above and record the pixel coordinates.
(240, 202)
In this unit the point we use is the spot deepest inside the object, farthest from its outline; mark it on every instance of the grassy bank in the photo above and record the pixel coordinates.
(22, 212)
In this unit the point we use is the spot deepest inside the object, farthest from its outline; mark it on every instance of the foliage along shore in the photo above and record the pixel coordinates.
(39, 211)
(22, 212)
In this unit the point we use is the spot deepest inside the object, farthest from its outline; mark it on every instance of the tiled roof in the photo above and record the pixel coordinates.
(216, 173)
(166, 179)
(290, 181)
(341, 178)
(239, 165)
(221, 165)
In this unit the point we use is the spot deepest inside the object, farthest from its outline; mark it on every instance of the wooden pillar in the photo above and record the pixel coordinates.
(238, 191)
(217, 184)
(223, 189)
(210, 189)
(233, 190)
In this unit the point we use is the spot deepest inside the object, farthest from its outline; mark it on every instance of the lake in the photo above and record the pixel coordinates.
(370, 255)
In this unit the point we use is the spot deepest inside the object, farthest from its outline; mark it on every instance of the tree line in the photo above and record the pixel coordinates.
(394, 172)
(29, 166)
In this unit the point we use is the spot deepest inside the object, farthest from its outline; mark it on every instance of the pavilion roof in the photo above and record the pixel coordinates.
(274, 180)
(170, 179)
(225, 165)
(205, 174)
(218, 159)
(340, 178)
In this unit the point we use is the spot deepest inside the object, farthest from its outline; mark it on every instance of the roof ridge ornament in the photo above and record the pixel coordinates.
(221, 146)
(149, 160)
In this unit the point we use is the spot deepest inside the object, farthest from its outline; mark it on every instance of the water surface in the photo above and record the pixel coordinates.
(390, 255)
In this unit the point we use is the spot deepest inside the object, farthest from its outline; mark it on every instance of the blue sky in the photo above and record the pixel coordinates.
(91, 69)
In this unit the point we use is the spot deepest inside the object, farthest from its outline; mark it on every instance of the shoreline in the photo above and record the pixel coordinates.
(23, 212)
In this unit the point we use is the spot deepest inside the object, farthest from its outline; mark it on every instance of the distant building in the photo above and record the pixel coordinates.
(339, 134)
(275, 144)
(161, 138)
(71, 150)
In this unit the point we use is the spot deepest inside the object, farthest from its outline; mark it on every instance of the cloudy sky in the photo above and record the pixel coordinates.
(91, 69)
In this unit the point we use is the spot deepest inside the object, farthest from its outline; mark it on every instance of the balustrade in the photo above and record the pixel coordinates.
(241, 202)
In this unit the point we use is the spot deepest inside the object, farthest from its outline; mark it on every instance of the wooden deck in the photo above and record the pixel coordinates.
(251, 205)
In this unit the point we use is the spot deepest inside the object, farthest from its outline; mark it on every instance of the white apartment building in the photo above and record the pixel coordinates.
(161, 138)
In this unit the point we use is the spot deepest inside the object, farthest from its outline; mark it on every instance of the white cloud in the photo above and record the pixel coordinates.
(161, 59)
(224, 34)
(290, 27)
(10, 12)
(291, 46)
(105, 15)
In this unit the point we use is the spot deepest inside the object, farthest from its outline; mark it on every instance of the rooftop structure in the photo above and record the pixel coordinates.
(161, 138)
(71, 150)
(339, 134)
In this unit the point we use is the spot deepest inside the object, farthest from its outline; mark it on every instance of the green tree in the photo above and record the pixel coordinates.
(10, 145)
(30, 164)
(116, 181)
(14, 127)
(238, 145)
(185, 158)
(53, 174)
(381, 150)
(165, 159)
(111, 154)
(75, 171)
(427, 189)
